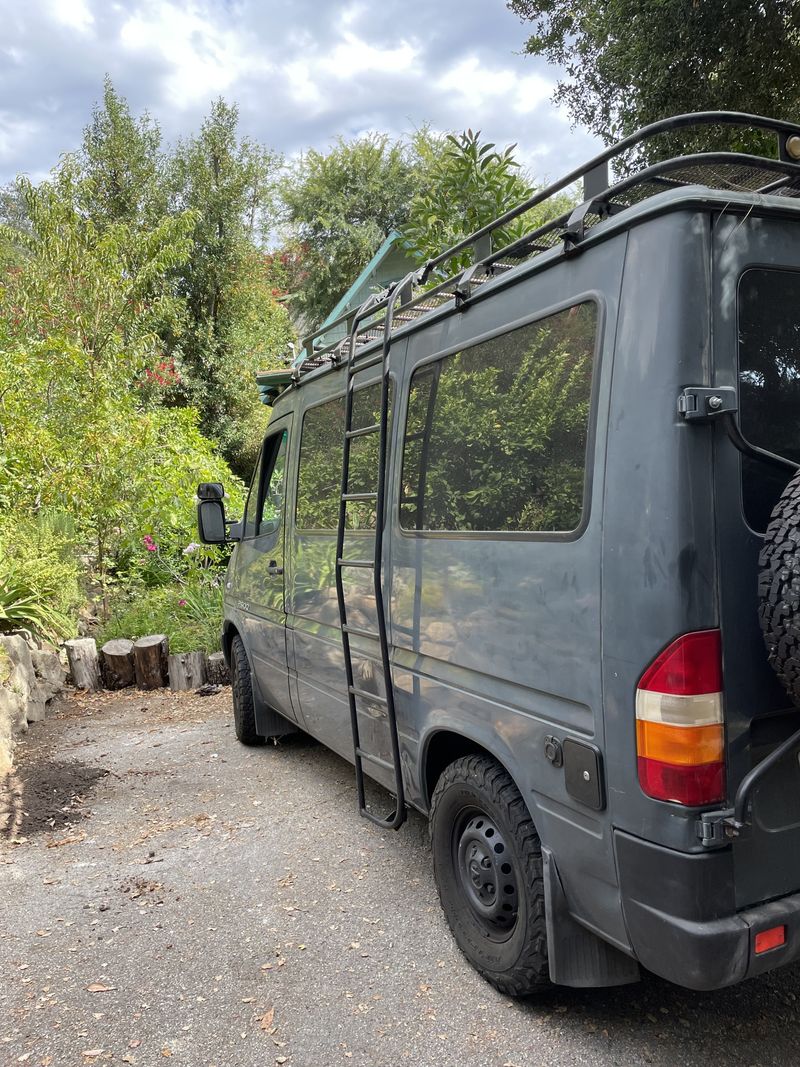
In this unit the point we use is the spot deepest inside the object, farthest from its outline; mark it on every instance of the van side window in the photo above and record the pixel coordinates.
(319, 476)
(251, 510)
(496, 434)
(265, 501)
(769, 383)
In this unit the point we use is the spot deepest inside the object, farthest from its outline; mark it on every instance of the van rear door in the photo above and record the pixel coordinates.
(756, 348)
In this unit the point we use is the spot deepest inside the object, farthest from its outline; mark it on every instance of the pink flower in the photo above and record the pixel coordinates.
(181, 603)
(149, 543)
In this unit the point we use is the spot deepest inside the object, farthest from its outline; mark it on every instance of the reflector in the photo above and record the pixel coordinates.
(769, 939)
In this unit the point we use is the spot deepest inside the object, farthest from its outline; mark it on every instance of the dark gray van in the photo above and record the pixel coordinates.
(513, 547)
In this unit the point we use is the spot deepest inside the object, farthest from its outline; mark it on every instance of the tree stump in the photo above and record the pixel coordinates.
(187, 670)
(216, 671)
(150, 661)
(84, 666)
(116, 663)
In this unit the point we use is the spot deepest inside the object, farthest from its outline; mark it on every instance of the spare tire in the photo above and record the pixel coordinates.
(779, 588)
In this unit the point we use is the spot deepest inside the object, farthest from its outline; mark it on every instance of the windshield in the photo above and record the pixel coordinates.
(769, 383)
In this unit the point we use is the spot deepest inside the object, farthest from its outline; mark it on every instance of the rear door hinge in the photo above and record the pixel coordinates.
(717, 828)
(702, 402)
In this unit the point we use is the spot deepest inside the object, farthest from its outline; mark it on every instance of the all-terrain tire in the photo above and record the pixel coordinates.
(244, 712)
(475, 807)
(779, 588)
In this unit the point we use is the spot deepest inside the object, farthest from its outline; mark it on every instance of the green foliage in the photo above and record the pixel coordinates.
(233, 325)
(630, 62)
(469, 185)
(39, 574)
(190, 616)
(340, 206)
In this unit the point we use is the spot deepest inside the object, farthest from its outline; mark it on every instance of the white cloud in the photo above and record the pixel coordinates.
(74, 13)
(353, 57)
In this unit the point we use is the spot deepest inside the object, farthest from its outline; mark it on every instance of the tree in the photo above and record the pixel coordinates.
(233, 325)
(81, 313)
(122, 163)
(630, 62)
(468, 185)
(341, 206)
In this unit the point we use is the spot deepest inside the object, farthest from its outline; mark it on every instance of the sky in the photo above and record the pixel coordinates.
(301, 71)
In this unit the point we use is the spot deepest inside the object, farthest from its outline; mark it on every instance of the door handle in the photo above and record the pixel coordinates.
(273, 568)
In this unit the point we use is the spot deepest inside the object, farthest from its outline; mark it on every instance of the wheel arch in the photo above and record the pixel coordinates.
(442, 746)
(229, 631)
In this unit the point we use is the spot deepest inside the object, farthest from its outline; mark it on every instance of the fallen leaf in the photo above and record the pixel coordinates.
(266, 1019)
(98, 987)
(134, 1044)
(166, 1052)
(93, 1053)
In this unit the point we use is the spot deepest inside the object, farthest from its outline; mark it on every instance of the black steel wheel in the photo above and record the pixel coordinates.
(244, 712)
(487, 861)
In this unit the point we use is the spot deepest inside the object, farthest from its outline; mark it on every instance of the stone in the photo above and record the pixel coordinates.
(49, 672)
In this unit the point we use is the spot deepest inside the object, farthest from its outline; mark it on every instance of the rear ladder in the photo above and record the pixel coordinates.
(396, 818)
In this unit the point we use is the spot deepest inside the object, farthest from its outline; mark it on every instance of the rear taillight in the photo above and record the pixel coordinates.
(679, 731)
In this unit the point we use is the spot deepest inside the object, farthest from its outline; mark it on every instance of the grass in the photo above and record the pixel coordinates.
(190, 616)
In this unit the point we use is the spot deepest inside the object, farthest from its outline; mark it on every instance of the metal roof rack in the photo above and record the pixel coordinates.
(729, 171)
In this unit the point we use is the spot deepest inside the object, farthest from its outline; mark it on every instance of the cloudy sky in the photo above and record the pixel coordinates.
(301, 71)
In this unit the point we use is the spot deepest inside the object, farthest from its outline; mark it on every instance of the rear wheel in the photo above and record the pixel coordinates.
(487, 860)
(244, 712)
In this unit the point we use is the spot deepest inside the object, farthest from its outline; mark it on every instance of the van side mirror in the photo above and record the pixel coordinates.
(212, 526)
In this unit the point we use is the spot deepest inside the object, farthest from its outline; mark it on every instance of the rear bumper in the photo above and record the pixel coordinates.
(682, 921)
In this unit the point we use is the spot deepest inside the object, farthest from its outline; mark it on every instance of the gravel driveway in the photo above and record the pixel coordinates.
(168, 894)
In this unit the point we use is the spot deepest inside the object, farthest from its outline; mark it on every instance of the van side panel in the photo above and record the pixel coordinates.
(497, 637)
(658, 521)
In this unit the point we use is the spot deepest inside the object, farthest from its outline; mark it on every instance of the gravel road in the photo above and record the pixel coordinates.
(166, 893)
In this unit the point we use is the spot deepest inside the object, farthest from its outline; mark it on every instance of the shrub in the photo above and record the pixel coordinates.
(190, 615)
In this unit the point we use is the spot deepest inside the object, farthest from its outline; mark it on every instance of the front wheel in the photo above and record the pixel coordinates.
(244, 711)
(487, 860)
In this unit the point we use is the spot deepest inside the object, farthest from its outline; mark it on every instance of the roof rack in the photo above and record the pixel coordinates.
(729, 171)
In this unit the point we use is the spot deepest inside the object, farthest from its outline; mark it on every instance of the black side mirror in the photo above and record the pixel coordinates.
(211, 522)
(210, 491)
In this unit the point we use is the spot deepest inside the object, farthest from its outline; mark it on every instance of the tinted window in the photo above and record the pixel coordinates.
(251, 511)
(769, 383)
(265, 502)
(319, 478)
(496, 435)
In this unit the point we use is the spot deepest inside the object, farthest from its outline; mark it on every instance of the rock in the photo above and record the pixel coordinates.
(49, 673)
(216, 669)
(22, 679)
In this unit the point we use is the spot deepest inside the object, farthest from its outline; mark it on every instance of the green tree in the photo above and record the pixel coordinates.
(123, 163)
(340, 206)
(630, 62)
(234, 326)
(81, 313)
(467, 186)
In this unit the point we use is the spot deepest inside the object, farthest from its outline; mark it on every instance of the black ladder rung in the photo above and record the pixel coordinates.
(366, 695)
(366, 564)
(358, 632)
(375, 759)
(356, 365)
(359, 496)
(363, 430)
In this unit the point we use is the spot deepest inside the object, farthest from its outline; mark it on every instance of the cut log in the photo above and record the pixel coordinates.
(116, 663)
(150, 661)
(187, 670)
(84, 666)
(216, 671)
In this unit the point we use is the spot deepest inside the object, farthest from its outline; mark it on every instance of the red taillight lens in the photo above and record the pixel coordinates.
(679, 730)
(691, 665)
(768, 939)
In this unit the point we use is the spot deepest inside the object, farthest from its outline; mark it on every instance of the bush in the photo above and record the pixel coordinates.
(190, 615)
(39, 575)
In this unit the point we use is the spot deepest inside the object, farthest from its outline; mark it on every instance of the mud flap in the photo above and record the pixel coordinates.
(576, 956)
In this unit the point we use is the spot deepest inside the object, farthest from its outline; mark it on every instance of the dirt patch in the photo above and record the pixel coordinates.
(40, 797)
